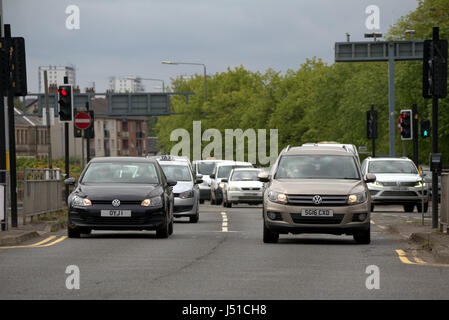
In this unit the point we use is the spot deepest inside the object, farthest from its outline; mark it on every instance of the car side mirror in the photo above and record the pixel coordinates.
(70, 181)
(370, 178)
(171, 183)
(212, 176)
(199, 176)
(198, 181)
(263, 177)
(224, 180)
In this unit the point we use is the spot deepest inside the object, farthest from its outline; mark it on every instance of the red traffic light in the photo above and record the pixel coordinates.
(63, 92)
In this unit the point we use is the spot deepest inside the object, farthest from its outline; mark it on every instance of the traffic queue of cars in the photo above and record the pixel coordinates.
(314, 188)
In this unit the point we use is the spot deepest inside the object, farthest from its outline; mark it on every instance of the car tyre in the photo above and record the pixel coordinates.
(268, 236)
(73, 232)
(372, 207)
(202, 201)
(164, 231)
(363, 238)
(419, 207)
(409, 207)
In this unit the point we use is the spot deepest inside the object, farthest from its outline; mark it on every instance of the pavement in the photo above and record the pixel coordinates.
(223, 257)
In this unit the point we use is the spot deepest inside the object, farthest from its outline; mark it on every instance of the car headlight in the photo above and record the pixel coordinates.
(420, 184)
(152, 202)
(277, 197)
(81, 202)
(186, 194)
(221, 185)
(357, 198)
(234, 188)
(376, 184)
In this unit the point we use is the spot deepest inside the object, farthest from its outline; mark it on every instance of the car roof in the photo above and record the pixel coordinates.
(315, 149)
(247, 169)
(121, 159)
(174, 162)
(390, 159)
(233, 163)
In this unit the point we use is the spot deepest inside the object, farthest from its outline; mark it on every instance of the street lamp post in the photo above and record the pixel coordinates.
(196, 64)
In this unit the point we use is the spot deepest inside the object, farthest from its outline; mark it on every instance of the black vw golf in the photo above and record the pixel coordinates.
(121, 193)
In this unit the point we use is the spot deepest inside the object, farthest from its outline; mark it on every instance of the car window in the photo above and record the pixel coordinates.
(387, 166)
(121, 172)
(206, 168)
(317, 167)
(177, 172)
(224, 171)
(245, 176)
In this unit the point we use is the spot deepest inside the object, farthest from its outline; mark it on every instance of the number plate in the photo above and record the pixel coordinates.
(116, 213)
(317, 213)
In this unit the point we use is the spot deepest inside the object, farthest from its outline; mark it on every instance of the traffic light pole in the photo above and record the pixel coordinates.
(12, 142)
(435, 194)
(67, 154)
(373, 140)
(415, 134)
(2, 129)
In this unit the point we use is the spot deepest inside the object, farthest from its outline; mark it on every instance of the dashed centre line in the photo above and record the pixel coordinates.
(224, 224)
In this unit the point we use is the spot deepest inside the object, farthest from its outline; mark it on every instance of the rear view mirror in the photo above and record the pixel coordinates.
(263, 177)
(370, 178)
(70, 181)
(224, 180)
(171, 183)
(212, 176)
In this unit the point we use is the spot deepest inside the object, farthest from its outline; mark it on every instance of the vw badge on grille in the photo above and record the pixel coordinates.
(317, 199)
(116, 202)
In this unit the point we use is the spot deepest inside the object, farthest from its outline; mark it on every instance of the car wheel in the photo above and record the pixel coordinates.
(170, 227)
(268, 236)
(202, 201)
(164, 231)
(419, 207)
(194, 219)
(73, 232)
(363, 238)
(372, 207)
(409, 207)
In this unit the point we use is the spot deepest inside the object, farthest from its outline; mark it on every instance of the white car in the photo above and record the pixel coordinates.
(397, 182)
(205, 168)
(222, 171)
(242, 186)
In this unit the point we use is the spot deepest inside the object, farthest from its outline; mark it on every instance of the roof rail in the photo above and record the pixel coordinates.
(286, 149)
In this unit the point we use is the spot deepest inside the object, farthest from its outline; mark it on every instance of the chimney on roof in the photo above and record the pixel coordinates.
(90, 90)
(52, 88)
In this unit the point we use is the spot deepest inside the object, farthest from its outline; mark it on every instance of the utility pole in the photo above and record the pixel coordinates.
(2, 128)
(435, 38)
(67, 154)
(415, 133)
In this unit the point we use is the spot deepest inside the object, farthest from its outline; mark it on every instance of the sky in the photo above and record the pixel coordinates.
(131, 37)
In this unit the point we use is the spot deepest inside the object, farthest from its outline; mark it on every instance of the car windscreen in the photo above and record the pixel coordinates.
(206, 168)
(121, 172)
(392, 166)
(224, 171)
(317, 167)
(177, 172)
(249, 175)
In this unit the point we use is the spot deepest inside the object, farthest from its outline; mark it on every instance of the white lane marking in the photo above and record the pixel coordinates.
(224, 224)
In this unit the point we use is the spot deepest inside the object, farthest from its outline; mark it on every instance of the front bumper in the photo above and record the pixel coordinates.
(184, 207)
(244, 196)
(142, 218)
(345, 219)
(398, 195)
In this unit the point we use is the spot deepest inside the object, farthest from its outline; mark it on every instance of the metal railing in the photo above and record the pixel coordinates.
(4, 176)
(444, 213)
(42, 192)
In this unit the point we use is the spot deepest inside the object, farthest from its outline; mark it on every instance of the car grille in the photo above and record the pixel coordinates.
(116, 220)
(122, 202)
(182, 208)
(327, 200)
(336, 219)
(399, 194)
(248, 189)
(399, 184)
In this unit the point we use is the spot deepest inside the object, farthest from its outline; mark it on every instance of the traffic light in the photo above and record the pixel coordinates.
(4, 68)
(18, 67)
(435, 68)
(65, 103)
(406, 122)
(371, 124)
(425, 128)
